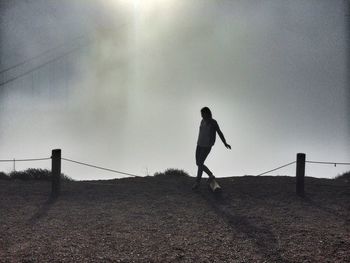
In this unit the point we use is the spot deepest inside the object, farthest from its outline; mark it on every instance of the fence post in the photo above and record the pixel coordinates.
(300, 174)
(56, 172)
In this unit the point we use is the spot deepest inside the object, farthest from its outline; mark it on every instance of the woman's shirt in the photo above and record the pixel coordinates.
(207, 133)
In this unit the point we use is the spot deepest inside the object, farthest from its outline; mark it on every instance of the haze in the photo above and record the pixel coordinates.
(120, 84)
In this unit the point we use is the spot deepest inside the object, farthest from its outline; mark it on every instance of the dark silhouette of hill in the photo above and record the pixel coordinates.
(160, 219)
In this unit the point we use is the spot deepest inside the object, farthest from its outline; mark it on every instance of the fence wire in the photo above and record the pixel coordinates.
(278, 168)
(99, 167)
(25, 160)
(332, 163)
(134, 175)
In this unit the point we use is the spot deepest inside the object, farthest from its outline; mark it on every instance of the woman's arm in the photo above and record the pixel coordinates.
(222, 137)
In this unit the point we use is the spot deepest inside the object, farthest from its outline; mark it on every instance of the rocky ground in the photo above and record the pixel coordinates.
(160, 219)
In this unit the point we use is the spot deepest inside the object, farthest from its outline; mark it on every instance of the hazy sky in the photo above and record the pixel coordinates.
(122, 83)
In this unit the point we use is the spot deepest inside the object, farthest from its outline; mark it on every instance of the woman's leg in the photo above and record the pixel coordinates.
(198, 163)
(201, 155)
(207, 171)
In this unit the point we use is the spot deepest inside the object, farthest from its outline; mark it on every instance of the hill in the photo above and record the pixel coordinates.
(160, 219)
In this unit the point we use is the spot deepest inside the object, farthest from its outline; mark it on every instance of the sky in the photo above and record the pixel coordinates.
(120, 84)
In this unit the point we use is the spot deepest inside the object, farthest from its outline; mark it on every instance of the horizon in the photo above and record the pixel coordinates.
(120, 85)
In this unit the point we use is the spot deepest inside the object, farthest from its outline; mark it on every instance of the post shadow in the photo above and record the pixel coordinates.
(43, 210)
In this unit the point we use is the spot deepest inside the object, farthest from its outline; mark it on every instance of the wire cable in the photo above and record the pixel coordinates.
(43, 64)
(280, 167)
(99, 167)
(38, 56)
(40, 66)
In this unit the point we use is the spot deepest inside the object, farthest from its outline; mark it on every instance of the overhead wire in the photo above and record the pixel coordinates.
(39, 66)
(48, 51)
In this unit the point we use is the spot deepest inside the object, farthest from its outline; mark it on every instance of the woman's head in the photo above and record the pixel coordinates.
(206, 113)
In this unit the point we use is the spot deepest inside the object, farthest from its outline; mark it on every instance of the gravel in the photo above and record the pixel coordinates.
(160, 219)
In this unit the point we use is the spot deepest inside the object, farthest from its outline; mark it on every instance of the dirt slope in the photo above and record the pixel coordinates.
(159, 219)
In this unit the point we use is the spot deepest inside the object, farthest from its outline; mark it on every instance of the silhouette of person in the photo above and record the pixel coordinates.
(206, 139)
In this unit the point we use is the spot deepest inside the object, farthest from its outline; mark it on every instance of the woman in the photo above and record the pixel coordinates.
(206, 139)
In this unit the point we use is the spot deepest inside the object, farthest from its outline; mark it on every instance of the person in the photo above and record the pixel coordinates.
(206, 139)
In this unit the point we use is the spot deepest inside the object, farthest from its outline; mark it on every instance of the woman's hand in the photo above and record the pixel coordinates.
(228, 146)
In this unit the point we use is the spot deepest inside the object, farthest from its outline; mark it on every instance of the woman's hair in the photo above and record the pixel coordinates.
(206, 112)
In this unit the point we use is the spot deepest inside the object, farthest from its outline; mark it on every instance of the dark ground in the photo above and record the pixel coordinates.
(159, 219)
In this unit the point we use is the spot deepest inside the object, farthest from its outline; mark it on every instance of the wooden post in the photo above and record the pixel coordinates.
(300, 174)
(56, 172)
